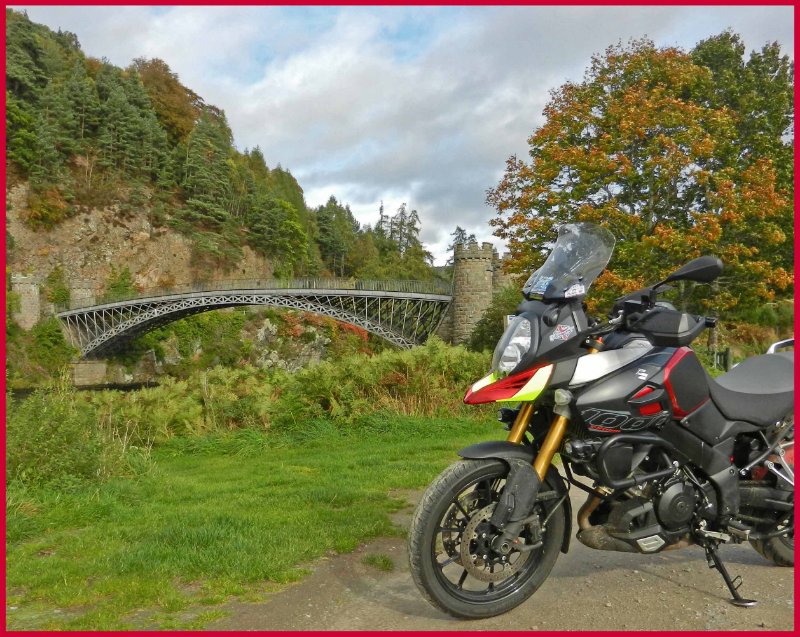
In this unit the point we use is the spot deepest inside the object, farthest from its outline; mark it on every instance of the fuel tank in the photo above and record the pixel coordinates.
(644, 392)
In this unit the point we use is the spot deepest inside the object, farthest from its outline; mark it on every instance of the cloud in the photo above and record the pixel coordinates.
(420, 105)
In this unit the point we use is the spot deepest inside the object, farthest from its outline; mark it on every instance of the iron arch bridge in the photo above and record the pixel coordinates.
(402, 312)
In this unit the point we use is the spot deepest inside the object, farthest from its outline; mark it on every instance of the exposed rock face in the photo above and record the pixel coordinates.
(89, 244)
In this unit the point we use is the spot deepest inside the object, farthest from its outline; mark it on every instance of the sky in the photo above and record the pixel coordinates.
(415, 105)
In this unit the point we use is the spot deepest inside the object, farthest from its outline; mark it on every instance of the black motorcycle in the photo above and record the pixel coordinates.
(674, 456)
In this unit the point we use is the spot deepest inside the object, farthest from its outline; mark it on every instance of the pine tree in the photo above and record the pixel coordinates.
(24, 75)
(207, 176)
(82, 96)
(20, 129)
(118, 133)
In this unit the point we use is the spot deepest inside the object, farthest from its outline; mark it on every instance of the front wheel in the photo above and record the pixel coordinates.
(449, 545)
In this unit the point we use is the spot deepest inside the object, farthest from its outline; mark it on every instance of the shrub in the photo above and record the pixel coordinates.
(56, 439)
(119, 285)
(424, 381)
(37, 356)
(47, 207)
(56, 289)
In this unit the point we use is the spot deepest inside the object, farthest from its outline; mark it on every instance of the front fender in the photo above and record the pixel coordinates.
(503, 450)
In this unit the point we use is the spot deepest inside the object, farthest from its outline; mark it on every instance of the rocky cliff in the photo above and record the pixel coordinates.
(89, 244)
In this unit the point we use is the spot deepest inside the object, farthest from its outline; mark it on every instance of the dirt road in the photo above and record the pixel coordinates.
(587, 590)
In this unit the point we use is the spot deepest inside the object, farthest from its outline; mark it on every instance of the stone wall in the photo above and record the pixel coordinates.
(445, 331)
(500, 278)
(29, 311)
(89, 373)
(83, 292)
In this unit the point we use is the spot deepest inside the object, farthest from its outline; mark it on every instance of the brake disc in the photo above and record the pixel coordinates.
(452, 539)
(478, 558)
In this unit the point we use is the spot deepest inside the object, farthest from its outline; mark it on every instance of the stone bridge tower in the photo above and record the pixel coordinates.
(477, 275)
(33, 306)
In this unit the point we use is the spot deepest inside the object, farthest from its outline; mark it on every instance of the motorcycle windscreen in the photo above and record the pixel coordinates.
(579, 255)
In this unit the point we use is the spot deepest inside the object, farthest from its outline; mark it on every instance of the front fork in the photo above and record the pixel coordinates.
(554, 436)
(558, 427)
(513, 510)
(523, 483)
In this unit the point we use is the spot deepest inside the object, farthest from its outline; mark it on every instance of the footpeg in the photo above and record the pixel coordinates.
(715, 535)
(740, 533)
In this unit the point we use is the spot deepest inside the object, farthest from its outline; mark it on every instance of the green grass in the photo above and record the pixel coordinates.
(218, 518)
(379, 561)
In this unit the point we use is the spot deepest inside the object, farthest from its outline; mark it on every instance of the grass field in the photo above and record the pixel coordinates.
(228, 516)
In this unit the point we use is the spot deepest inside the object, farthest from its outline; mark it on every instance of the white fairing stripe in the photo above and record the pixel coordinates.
(594, 366)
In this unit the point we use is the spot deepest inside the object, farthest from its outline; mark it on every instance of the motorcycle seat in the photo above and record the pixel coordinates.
(759, 390)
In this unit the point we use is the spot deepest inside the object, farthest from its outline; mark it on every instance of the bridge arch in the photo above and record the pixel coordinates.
(402, 312)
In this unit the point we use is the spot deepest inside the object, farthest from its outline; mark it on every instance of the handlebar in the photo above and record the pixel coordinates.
(624, 320)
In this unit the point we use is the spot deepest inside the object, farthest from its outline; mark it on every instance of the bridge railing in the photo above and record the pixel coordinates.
(199, 287)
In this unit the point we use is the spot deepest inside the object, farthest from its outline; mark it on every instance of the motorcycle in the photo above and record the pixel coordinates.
(668, 456)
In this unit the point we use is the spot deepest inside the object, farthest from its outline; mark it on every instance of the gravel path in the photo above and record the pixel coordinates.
(587, 590)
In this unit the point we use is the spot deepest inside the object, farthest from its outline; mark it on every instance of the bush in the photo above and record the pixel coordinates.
(47, 207)
(423, 381)
(119, 285)
(56, 439)
(38, 356)
(56, 290)
(355, 393)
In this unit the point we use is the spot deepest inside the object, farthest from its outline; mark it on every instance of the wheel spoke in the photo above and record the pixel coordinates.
(460, 508)
(461, 580)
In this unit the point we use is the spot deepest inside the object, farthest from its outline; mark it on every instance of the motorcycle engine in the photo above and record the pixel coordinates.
(675, 504)
(643, 520)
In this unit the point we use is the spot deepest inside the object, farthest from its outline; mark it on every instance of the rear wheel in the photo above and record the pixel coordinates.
(779, 549)
(450, 551)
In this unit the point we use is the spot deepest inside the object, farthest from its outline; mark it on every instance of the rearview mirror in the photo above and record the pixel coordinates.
(702, 269)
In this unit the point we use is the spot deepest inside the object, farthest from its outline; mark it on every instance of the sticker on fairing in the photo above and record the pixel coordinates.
(561, 332)
(575, 290)
(541, 285)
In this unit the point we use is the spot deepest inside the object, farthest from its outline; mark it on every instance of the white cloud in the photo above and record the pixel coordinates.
(421, 105)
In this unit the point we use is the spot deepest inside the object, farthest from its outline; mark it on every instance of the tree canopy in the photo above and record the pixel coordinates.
(679, 154)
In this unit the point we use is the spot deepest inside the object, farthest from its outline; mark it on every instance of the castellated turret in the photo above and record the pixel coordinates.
(473, 280)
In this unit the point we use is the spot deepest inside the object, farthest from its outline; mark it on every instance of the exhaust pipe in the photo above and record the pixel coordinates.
(598, 537)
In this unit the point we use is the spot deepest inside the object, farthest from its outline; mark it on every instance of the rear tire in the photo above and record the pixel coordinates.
(460, 497)
(779, 550)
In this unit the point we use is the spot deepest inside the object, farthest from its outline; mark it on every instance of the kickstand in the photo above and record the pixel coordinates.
(733, 585)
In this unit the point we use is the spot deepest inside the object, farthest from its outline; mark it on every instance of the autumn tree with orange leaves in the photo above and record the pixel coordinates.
(647, 146)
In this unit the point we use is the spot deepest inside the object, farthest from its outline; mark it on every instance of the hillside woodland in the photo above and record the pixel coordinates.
(84, 134)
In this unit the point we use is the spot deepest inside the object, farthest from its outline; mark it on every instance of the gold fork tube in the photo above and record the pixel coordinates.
(517, 432)
(552, 441)
(550, 445)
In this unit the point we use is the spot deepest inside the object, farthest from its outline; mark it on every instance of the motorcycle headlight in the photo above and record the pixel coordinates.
(514, 344)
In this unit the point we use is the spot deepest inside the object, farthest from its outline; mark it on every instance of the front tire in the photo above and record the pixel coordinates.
(461, 575)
